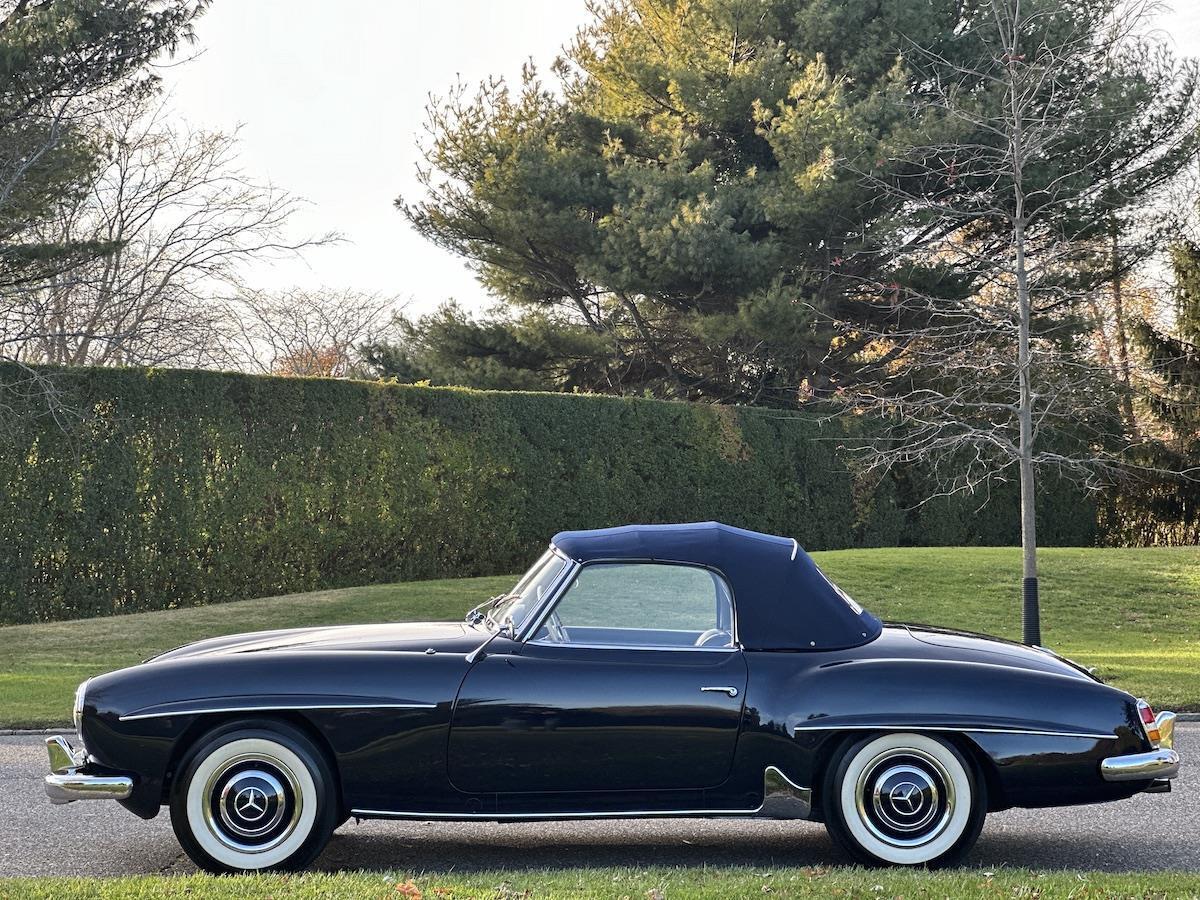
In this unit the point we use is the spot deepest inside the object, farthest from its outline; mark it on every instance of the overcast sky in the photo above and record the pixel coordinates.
(331, 101)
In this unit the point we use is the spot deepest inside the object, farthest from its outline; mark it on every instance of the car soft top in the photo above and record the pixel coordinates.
(783, 601)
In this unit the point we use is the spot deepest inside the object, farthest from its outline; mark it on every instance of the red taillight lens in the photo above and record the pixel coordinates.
(1149, 725)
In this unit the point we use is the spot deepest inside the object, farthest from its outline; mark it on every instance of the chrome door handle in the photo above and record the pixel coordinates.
(731, 691)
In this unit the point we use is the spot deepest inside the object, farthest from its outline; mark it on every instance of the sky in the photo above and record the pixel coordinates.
(331, 106)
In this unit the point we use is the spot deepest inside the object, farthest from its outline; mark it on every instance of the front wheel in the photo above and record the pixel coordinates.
(904, 799)
(253, 796)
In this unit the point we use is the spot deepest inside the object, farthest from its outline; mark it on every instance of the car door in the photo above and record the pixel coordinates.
(631, 681)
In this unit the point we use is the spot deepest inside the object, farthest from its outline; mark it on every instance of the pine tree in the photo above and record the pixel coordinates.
(1166, 506)
(679, 195)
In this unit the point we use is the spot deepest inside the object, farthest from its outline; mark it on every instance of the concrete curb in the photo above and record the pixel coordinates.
(14, 732)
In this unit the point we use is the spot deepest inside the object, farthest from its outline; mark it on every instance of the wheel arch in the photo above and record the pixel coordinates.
(870, 840)
(202, 724)
(985, 767)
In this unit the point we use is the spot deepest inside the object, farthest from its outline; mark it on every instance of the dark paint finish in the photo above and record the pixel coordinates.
(534, 717)
(541, 730)
(423, 720)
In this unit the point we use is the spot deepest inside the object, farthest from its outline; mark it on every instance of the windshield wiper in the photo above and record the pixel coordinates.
(480, 613)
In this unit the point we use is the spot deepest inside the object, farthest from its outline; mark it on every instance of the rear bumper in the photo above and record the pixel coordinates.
(67, 782)
(1152, 766)
(1159, 765)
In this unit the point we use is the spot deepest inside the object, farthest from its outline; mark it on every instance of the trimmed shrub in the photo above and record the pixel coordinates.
(178, 488)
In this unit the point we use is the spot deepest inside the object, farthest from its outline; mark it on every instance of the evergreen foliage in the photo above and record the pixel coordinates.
(182, 488)
(680, 196)
(1166, 506)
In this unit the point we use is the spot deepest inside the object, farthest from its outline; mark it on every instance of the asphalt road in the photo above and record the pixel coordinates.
(1159, 831)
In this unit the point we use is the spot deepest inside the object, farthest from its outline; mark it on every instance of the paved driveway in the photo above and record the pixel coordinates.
(97, 838)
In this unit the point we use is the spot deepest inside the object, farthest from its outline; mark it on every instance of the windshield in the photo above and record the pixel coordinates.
(530, 589)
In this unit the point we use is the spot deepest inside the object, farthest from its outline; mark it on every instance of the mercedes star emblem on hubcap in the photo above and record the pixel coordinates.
(250, 803)
(905, 797)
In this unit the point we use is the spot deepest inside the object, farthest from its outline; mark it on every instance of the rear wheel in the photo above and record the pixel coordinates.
(253, 796)
(904, 799)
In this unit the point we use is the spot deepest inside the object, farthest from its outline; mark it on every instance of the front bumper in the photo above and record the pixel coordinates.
(1158, 765)
(67, 781)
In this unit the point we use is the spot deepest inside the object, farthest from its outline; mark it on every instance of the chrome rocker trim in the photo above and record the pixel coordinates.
(1153, 766)
(782, 799)
(66, 783)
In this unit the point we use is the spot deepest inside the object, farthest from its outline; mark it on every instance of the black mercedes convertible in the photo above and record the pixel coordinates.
(674, 670)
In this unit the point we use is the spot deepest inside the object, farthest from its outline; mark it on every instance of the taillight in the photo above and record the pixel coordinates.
(1149, 723)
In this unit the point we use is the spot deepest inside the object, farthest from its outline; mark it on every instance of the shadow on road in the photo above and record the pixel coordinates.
(526, 847)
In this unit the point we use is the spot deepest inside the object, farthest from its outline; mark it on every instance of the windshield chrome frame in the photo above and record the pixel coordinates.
(564, 576)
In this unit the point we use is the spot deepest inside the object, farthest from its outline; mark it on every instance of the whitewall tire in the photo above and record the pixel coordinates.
(904, 799)
(252, 796)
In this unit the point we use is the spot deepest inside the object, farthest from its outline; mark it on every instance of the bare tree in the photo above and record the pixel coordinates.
(307, 332)
(64, 64)
(173, 220)
(984, 367)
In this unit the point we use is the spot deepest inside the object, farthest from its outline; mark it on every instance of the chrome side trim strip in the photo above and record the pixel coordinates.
(965, 729)
(782, 799)
(272, 707)
(1157, 764)
(668, 648)
(795, 548)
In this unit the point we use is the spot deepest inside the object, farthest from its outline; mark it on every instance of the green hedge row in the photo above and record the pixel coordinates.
(179, 488)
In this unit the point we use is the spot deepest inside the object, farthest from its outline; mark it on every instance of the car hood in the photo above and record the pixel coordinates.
(405, 636)
(968, 645)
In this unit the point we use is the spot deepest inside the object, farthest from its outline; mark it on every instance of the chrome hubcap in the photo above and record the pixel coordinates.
(252, 803)
(905, 797)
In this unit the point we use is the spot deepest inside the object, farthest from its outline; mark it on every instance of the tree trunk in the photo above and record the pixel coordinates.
(1031, 629)
(1118, 301)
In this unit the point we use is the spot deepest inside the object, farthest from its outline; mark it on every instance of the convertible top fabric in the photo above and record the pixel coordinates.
(782, 600)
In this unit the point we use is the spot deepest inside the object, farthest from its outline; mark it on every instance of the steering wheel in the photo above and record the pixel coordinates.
(554, 627)
(707, 638)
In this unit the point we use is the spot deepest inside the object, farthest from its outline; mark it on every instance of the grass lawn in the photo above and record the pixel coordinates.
(653, 884)
(1134, 614)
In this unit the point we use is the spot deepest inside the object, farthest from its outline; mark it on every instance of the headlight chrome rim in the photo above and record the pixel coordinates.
(77, 709)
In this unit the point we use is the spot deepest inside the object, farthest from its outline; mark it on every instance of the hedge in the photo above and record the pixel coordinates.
(175, 488)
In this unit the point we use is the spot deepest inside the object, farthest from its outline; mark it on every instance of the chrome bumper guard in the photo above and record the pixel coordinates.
(66, 783)
(1158, 765)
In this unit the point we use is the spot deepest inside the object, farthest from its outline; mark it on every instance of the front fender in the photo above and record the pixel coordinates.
(140, 720)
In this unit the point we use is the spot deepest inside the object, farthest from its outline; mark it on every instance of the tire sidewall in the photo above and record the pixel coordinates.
(319, 813)
(847, 830)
